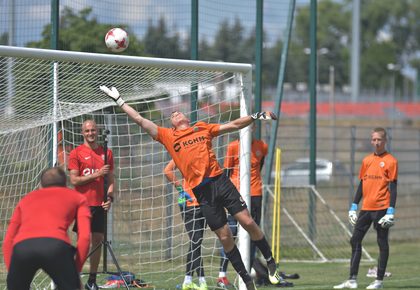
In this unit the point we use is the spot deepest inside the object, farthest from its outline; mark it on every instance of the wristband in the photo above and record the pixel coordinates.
(179, 188)
(353, 206)
(390, 210)
(120, 101)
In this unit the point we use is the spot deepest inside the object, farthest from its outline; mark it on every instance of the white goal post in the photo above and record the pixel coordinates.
(45, 96)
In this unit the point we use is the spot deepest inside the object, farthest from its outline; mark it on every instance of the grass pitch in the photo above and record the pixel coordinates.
(403, 263)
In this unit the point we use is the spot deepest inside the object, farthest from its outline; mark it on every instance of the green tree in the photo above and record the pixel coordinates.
(159, 43)
(78, 31)
(4, 37)
(333, 31)
(390, 35)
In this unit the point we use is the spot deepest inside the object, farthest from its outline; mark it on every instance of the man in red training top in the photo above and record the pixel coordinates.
(87, 171)
(37, 234)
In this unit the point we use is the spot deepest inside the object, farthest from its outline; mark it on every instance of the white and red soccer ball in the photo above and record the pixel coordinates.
(116, 40)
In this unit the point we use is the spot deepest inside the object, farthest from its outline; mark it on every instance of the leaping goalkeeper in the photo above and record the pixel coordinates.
(191, 149)
(378, 187)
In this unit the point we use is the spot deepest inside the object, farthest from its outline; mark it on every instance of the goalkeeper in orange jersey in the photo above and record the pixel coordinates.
(378, 188)
(195, 224)
(191, 149)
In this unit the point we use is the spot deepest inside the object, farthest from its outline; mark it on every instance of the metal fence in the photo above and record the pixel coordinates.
(346, 145)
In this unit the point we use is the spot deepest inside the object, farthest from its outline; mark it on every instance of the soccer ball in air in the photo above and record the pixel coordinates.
(116, 40)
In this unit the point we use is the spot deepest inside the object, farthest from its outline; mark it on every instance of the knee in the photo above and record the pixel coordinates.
(249, 224)
(225, 238)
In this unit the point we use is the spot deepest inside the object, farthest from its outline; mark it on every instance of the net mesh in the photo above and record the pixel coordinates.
(145, 226)
(308, 228)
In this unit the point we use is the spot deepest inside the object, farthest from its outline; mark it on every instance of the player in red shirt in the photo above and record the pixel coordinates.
(378, 188)
(87, 172)
(191, 149)
(37, 234)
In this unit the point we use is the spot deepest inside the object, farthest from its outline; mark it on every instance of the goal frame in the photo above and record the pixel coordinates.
(245, 70)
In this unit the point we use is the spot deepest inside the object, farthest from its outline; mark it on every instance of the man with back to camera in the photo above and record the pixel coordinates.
(378, 187)
(191, 149)
(87, 172)
(37, 234)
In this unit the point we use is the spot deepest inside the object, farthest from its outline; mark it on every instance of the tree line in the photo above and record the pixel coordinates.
(390, 34)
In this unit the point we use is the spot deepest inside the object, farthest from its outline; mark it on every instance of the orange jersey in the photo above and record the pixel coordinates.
(191, 150)
(258, 151)
(376, 173)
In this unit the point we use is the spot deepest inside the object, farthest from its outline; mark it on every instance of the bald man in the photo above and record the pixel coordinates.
(37, 234)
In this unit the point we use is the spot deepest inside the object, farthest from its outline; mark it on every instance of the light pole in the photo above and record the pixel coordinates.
(394, 69)
(332, 108)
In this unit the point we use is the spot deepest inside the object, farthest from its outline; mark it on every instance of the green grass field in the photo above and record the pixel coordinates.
(403, 263)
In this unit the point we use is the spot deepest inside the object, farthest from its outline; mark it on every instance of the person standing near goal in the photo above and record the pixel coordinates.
(259, 150)
(195, 225)
(191, 149)
(87, 172)
(37, 234)
(378, 187)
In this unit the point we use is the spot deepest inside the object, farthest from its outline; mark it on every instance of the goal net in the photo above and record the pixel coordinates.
(46, 95)
(305, 228)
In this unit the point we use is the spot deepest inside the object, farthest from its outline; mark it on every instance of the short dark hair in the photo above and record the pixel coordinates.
(54, 176)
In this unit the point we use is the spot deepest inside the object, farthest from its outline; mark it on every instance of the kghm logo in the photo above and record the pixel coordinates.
(193, 141)
(188, 143)
(177, 147)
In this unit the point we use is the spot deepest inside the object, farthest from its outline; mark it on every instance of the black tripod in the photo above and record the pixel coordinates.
(107, 244)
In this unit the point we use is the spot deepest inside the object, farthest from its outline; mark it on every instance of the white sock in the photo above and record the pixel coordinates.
(187, 279)
(222, 274)
(202, 280)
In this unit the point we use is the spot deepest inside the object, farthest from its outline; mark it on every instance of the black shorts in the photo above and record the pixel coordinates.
(366, 218)
(97, 220)
(256, 204)
(54, 256)
(216, 195)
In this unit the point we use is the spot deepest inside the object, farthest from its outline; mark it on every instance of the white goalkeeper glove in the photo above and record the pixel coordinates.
(387, 220)
(353, 214)
(264, 116)
(113, 94)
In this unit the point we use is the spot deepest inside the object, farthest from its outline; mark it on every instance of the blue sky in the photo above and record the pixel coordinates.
(32, 15)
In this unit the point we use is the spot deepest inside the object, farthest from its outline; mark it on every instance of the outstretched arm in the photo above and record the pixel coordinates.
(150, 127)
(242, 122)
(170, 173)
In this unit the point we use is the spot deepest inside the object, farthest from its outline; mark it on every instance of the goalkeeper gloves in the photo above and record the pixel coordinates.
(263, 116)
(113, 94)
(387, 220)
(353, 214)
(183, 196)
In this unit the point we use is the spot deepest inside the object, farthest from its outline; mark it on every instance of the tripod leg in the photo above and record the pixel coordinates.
(94, 249)
(114, 259)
